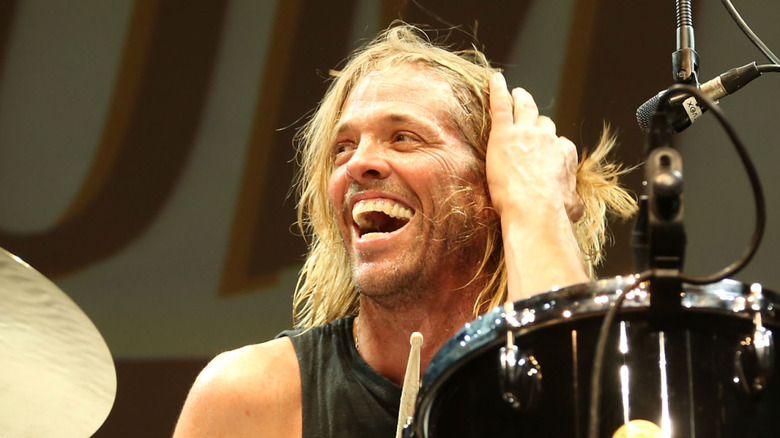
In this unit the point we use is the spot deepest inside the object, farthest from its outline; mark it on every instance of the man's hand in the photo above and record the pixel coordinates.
(532, 179)
(527, 162)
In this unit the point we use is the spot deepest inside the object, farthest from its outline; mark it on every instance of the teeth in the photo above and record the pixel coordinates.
(385, 206)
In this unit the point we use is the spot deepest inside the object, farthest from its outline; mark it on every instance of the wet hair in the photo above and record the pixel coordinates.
(325, 290)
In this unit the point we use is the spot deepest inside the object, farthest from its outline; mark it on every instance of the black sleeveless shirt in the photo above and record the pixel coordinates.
(342, 395)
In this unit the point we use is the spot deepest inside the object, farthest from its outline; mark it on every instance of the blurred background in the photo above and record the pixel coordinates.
(146, 152)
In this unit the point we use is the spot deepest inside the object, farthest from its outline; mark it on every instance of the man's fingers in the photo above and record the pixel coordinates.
(546, 124)
(500, 101)
(525, 110)
(518, 107)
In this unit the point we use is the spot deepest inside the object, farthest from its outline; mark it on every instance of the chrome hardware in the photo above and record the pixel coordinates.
(755, 356)
(520, 376)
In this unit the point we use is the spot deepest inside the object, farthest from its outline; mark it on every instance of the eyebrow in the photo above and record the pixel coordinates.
(395, 118)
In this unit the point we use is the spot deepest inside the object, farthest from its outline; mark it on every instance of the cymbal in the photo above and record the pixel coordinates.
(57, 377)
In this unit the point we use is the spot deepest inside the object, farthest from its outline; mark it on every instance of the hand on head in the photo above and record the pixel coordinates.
(528, 164)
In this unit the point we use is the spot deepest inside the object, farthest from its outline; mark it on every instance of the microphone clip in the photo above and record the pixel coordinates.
(685, 66)
(659, 236)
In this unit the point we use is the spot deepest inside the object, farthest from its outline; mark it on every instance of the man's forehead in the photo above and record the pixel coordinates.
(400, 93)
(401, 82)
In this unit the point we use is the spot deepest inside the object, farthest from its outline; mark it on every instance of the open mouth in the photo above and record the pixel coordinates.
(375, 217)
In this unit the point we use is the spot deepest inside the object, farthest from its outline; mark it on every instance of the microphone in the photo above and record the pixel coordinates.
(685, 110)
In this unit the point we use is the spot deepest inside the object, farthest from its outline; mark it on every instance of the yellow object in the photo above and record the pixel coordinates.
(638, 429)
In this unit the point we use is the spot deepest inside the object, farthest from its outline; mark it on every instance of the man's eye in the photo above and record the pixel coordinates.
(403, 137)
(341, 149)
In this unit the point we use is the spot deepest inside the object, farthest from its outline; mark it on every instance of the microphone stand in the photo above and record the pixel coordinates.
(663, 216)
(659, 234)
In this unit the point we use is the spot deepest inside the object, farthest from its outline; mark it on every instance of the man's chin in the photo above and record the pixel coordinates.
(392, 291)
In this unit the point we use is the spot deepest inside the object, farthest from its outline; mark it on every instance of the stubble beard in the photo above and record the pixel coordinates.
(395, 287)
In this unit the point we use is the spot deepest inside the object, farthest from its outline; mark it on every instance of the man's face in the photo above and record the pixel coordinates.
(403, 186)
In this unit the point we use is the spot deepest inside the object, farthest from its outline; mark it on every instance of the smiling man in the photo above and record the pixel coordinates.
(430, 193)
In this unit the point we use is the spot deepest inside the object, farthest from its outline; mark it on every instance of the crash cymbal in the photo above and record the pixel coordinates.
(57, 377)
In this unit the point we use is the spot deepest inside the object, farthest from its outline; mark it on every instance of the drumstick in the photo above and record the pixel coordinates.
(411, 383)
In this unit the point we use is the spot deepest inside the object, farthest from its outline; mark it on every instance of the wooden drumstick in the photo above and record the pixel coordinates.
(411, 383)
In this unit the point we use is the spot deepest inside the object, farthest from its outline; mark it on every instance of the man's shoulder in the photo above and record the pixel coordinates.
(250, 389)
(252, 362)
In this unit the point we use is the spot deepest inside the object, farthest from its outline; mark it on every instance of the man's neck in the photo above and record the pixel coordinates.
(382, 335)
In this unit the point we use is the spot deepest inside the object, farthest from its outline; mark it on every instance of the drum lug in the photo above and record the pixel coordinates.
(755, 361)
(520, 377)
(755, 356)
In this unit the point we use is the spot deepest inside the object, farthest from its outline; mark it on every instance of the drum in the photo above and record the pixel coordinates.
(706, 368)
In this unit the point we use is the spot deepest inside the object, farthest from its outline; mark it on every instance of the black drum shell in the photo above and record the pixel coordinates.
(706, 386)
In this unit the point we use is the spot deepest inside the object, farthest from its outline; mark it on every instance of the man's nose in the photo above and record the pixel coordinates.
(369, 161)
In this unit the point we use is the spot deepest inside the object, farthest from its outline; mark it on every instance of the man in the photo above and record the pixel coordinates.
(430, 194)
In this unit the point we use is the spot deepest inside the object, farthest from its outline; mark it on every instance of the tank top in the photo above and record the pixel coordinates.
(342, 395)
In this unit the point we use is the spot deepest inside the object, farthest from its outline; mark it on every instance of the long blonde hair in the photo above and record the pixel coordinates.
(325, 290)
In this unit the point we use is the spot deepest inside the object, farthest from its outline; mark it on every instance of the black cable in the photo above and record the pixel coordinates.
(749, 32)
(766, 68)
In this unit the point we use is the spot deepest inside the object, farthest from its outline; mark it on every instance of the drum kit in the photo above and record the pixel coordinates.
(706, 369)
